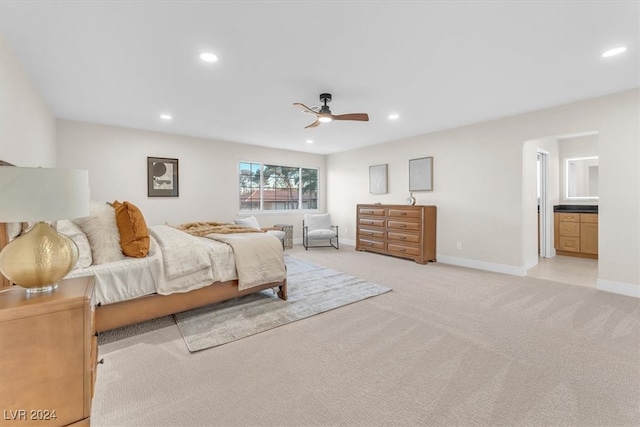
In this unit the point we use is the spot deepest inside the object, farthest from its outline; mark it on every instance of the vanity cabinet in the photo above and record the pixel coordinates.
(576, 234)
(398, 230)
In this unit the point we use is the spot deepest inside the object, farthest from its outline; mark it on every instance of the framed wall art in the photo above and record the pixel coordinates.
(421, 174)
(162, 177)
(378, 179)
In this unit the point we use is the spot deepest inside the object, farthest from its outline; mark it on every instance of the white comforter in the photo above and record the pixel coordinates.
(179, 262)
(259, 258)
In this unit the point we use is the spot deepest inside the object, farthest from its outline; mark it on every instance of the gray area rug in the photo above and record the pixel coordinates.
(312, 290)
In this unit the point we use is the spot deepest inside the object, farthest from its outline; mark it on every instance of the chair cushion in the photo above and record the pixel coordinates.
(317, 221)
(322, 234)
(250, 222)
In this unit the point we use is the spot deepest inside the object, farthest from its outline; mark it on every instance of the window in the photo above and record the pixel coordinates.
(272, 187)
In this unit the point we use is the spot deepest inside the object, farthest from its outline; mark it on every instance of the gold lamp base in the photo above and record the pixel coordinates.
(39, 259)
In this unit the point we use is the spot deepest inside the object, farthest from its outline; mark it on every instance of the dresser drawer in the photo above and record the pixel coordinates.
(366, 243)
(403, 225)
(569, 229)
(569, 217)
(403, 237)
(371, 232)
(589, 218)
(569, 244)
(376, 211)
(407, 250)
(405, 213)
(373, 222)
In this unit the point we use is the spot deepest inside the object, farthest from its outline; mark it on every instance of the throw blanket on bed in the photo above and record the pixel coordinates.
(186, 260)
(259, 258)
(204, 228)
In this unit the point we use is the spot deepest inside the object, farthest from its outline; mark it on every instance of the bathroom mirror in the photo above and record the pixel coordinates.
(581, 178)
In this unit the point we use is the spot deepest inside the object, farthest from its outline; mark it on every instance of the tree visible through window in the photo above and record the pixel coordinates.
(272, 187)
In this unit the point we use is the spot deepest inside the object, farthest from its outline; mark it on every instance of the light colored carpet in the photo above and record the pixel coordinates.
(449, 346)
(312, 289)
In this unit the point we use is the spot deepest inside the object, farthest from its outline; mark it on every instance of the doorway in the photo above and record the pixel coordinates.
(545, 243)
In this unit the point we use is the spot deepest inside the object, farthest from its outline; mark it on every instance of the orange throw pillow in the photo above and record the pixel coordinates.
(134, 236)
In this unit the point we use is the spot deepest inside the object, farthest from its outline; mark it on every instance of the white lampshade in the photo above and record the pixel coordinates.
(40, 258)
(39, 194)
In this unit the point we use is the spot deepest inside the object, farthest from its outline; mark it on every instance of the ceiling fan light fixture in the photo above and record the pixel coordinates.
(324, 119)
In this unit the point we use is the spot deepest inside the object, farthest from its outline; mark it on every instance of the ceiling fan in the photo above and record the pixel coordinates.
(324, 115)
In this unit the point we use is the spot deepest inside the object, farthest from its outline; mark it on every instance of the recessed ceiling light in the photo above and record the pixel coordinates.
(614, 52)
(166, 116)
(208, 57)
(393, 116)
(309, 141)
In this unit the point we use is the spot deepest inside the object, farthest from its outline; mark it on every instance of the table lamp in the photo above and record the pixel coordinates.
(40, 258)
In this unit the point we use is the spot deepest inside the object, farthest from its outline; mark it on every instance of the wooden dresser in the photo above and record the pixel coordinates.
(576, 234)
(48, 355)
(398, 230)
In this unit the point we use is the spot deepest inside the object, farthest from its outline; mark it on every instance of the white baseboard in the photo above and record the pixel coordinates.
(530, 264)
(621, 288)
(481, 265)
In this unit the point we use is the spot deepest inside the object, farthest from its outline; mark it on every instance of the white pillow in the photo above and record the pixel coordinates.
(317, 221)
(250, 222)
(13, 230)
(74, 232)
(101, 229)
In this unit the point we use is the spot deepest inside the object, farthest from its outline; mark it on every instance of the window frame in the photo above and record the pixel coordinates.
(261, 210)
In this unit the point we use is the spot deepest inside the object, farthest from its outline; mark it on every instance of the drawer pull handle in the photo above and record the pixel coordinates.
(371, 212)
(403, 213)
(370, 244)
(100, 362)
(403, 225)
(96, 334)
(402, 250)
(403, 237)
(568, 244)
(99, 304)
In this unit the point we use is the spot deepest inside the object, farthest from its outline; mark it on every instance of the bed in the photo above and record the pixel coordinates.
(179, 273)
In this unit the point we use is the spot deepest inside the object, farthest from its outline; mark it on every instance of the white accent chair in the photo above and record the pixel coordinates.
(318, 227)
(252, 222)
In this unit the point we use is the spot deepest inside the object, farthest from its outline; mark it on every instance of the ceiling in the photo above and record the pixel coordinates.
(438, 64)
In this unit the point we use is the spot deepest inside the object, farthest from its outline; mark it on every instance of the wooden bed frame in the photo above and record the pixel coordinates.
(111, 316)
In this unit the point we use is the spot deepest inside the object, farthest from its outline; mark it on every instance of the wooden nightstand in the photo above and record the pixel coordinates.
(48, 354)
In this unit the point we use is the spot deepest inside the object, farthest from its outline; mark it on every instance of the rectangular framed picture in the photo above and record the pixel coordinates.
(162, 177)
(421, 174)
(378, 179)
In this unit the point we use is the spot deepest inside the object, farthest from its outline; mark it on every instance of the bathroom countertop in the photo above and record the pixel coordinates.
(576, 208)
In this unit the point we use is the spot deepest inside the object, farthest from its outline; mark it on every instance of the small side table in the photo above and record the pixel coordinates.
(288, 234)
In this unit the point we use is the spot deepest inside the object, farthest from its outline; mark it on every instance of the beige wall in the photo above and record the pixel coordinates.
(208, 171)
(27, 127)
(479, 181)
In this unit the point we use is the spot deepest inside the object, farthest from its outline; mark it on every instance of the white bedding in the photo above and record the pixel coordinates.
(125, 279)
(208, 261)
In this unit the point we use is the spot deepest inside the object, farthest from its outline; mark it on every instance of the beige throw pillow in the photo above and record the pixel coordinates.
(101, 229)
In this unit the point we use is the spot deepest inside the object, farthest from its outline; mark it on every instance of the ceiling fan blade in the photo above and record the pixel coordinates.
(362, 117)
(314, 124)
(305, 108)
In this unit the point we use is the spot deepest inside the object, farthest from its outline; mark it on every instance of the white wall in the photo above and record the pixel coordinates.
(208, 171)
(478, 185)
(27, 127)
